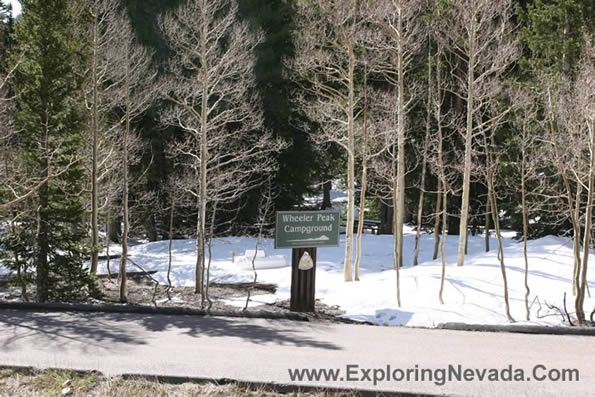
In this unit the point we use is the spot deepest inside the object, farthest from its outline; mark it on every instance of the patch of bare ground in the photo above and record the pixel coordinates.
(32, 383)
(143, 290)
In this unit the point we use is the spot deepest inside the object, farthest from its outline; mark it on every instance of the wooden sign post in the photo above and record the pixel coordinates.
(303, 282)
(302, 232)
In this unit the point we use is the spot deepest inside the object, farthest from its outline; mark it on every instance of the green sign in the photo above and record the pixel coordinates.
(307, 229)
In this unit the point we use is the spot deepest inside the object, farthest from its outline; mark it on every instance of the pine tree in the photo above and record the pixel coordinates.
(50, 123)
(553, 34)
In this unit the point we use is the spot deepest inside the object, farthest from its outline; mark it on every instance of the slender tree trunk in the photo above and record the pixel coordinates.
(326, 195)
(582, 285)
(360, 225)
(200, 248)
(206, 297)
(420, 209)
(171, 243)
(204, 159)
(468, 149)
(362, 200)
(115, 229)
(94, 132)
(441, 183)
(575, 226)
(395, 261)
(442, 241)
(386, 217)
(487, 223)
(350, 171)
(420, 206)
(437, 220)
(525, 228)
(125, 216)
(500, 247)
(107, 240)
(576, 245)
(400, 199)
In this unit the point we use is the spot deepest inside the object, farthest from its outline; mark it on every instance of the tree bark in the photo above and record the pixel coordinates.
(362, 200)
(386, 217)
(576, 245)
(487, 223)
(500, 247)
(400, 197)
(171, 242)
(525, 227)
(125, 216)
(468, 149)
(204, 158)
(94, 132)
(442, 256)
(437, 220)
(350, 169)
(582, 285)
(326, 195)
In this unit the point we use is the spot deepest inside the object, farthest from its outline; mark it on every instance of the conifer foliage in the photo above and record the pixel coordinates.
(51, 229)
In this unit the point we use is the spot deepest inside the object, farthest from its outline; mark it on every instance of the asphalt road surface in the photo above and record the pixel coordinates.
(258, 350)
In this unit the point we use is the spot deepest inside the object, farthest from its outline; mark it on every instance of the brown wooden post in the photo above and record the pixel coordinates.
(303, 282)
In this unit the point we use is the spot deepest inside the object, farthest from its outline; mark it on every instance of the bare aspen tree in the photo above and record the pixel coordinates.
(439, 163)
(103, 35)
(527, 105)
(325, 64)
(383, 142)
(210, 85)
(482, 39)
(492, 155)
(399, 40)
(557, 142)
(265, 206)
(131, 74)
(440, 170)
(576, 111)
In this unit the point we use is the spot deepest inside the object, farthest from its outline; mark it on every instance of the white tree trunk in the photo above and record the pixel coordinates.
(362, 204)
(582, 285)
(124, 257)
(442, 241)
(468, 149)
(350, 170)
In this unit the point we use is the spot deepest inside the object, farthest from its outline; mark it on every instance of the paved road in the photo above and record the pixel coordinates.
(260, 350)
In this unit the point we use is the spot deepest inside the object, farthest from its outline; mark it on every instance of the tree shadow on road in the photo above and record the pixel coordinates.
(83, 330)
(257, 331)
(109, 331)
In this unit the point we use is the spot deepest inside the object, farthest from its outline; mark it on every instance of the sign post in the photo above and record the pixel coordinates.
(303, 232)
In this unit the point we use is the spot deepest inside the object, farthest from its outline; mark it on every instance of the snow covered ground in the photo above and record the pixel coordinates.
(472, 293)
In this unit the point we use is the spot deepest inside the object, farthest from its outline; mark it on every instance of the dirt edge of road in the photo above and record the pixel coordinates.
(71, 382)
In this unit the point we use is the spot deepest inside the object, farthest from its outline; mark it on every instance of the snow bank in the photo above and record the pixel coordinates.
(472, 293)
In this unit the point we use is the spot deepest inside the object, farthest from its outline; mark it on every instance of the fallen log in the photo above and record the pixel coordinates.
(272, 288)
(129, 274)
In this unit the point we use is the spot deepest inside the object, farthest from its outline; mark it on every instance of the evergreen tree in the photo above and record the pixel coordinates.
(4, 26)
(553, 33)
(50, 122)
